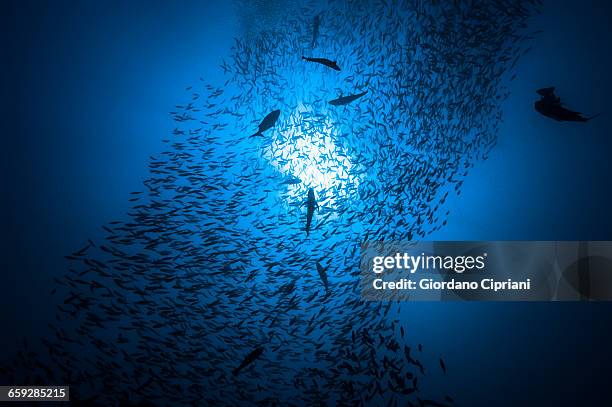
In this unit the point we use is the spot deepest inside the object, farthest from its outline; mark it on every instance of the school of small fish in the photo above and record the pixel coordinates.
(234, 279)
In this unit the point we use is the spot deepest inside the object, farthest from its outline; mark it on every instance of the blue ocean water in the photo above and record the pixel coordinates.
(89, 90)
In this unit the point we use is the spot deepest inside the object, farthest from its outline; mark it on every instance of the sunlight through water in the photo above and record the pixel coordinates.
(304, 147)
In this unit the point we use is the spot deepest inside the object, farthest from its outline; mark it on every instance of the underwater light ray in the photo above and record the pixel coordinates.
(305, 147)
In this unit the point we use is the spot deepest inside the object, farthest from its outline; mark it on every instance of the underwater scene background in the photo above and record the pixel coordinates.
(148, 255)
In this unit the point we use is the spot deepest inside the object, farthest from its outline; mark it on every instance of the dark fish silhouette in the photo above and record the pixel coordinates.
(323, 275)
(323, 61)
(442, 365)
(267, 123)
(315, 29)
(311, 204)
(250, 358)
(550, 105)
(345, 100)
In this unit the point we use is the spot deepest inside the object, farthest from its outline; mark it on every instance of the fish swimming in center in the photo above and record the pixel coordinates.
(311, 204)
(267, 123)
(323, 61)
(345, 100)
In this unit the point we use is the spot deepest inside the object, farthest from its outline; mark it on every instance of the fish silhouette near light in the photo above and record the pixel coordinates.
(311, 204)
(323, 61)
(550, 105)
(250, 358)
(267, 123)
(345, 100)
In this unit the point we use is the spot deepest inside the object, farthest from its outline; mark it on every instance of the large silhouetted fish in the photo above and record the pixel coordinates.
(267, 123)
(311, 204)
(345, 100)
(250, 358)
(322, 275)
(550, 105)
(323, 61)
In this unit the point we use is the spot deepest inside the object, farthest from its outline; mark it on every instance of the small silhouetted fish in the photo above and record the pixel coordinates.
(323, 61)
(250, 358)
(443, 365)
(345, 100)
(267, 123)
(323, 275)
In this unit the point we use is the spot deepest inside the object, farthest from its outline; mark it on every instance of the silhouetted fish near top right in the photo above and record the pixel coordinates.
(550, 105)
(267, 123)
(345, 100)
(323, 61)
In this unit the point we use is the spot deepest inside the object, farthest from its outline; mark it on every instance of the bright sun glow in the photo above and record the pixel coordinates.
(304, 147)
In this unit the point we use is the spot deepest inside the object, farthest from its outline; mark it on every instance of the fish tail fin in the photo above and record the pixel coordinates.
(594, 116)
(258, 134)
(304, 58)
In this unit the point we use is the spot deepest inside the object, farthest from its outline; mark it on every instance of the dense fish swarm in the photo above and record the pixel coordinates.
(210, 293)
